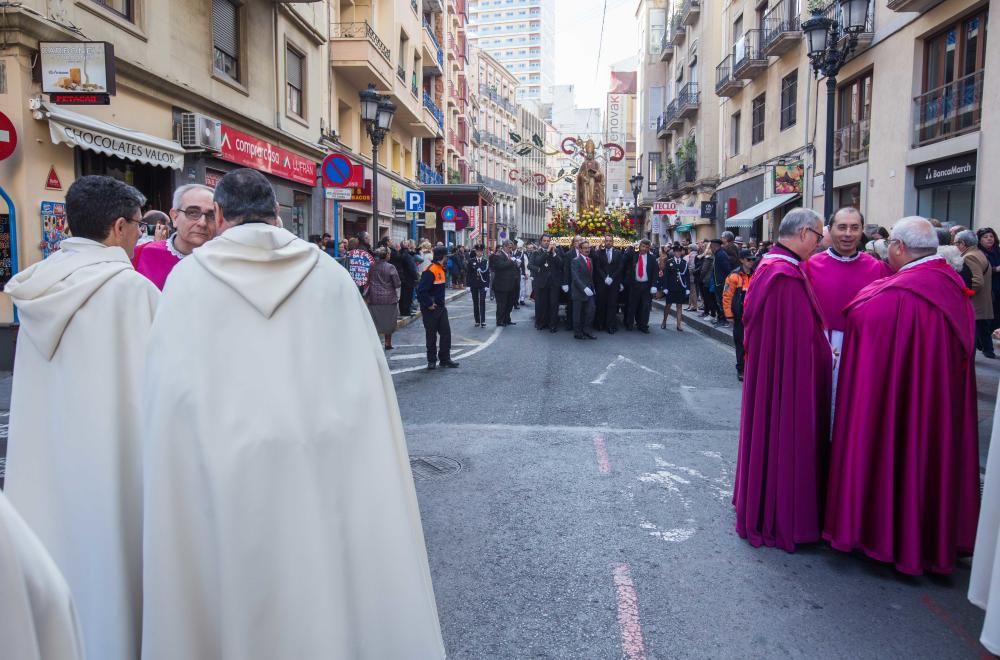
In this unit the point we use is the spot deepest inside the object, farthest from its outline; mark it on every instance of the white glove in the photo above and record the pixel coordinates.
(653, 290)
(608, 280)
(588, 291)
(621, 287)
(565, 288)
(686, 292)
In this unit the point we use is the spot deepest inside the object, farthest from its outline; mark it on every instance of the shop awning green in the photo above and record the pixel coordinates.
(688, 227)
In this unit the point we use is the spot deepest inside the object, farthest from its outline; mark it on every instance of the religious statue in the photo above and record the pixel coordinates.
(589, 181)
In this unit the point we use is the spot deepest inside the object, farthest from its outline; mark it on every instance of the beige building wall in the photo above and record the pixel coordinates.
(496, 90)
(651, 80)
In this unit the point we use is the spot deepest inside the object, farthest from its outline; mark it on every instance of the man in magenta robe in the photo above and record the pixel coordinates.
(838, 273)
(785, 419)
(904, 471)
(194, 220)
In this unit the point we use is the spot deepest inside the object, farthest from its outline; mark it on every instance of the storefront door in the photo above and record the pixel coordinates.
(946, 190)
(153, 182)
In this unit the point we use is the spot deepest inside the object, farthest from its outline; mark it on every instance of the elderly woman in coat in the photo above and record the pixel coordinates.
(382, 295)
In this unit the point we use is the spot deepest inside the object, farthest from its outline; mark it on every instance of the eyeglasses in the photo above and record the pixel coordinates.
(194, 214)
(820, 234)
(143, 225)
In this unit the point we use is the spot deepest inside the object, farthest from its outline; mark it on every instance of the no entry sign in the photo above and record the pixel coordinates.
(340, 172)
(8, 137)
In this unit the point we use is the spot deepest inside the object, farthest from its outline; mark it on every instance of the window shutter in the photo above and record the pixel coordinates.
(293, 68)
(225, 27)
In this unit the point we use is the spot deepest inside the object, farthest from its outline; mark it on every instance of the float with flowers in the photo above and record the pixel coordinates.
(593, 224)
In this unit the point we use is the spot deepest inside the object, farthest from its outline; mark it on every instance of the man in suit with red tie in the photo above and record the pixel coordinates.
(641, 276)
(582, 293)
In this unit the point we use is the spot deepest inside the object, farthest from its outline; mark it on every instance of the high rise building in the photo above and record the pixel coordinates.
(520, 35)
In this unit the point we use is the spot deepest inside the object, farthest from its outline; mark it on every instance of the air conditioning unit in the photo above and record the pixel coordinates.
(200, 132)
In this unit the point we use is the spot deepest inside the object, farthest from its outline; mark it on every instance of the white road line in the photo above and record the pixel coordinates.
(486, 344)
(621, 359)
(514, 429)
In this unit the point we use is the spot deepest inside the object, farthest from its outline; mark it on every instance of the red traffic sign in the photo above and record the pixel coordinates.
(8, 137)
(53, 182)
(448, 213)
(340, 172)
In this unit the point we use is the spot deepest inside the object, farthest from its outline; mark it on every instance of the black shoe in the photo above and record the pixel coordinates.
(644, 331)
(577, 336)
(511, 323)
(431, 366)
(589, 336)
(739, 377)
(450, 364)
(721, 324)
(612, 331)
(553, 330)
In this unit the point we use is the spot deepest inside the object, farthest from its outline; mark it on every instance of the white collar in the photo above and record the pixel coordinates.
(172, 249)
(914, 264)
(785, 257)
(833, 253)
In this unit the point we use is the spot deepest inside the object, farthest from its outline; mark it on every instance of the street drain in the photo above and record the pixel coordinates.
(426, 468)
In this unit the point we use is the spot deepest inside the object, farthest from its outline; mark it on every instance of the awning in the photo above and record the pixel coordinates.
(78, 130)
(746, 218)
(687, 227)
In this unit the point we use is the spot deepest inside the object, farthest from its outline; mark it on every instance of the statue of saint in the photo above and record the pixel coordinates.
(590, 181)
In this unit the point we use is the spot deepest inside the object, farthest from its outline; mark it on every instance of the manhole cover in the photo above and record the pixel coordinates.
(433, 467)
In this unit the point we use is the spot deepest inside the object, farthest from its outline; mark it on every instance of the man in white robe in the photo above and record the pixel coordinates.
(73, 464)
(984, 582)
(281, 519)
(37, 618)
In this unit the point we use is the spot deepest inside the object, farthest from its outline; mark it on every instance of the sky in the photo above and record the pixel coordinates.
(578, 30)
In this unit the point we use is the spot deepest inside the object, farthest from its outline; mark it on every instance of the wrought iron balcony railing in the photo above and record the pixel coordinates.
(850, 144)
(949, 110)
(359, 30)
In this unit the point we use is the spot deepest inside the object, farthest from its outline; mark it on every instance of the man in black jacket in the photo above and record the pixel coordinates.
(546, 269)
(477, 276)
(506, 281)
(720, 271)
(403, 261)
(582, 292)
(568, 257)
(608, 269)
(641, 274)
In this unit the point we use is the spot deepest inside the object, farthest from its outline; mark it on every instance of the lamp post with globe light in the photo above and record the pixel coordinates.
(376, 112)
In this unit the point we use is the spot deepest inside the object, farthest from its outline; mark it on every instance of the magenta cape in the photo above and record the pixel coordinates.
(836, 283)
(904, 473)
(785, 420)
(155, 261)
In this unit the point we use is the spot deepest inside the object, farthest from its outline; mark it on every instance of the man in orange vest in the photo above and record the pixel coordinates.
(430, 293)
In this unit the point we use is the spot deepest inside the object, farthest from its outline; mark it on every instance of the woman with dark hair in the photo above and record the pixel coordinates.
(383, 295)
(988, 244)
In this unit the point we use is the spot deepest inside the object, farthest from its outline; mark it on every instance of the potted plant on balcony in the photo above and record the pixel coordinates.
(817, 7)
(690, 159)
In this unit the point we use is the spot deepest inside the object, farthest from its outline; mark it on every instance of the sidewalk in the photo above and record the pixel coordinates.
(987, 376)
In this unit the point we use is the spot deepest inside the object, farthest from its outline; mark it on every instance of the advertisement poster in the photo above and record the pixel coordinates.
(54, 227)
(6, 269)
(788, 178)
(76, 67)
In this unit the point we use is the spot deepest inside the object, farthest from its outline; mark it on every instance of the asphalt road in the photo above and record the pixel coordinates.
(591, 517)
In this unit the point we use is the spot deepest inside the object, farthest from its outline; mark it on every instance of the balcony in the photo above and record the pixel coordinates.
(661, 127)
(497, 98)
(360, 55)
(678, 30)
(495, 141)
(671, 119)
(725, 84)
(497, 185)
(433, 53)
(435, 111)
(476, 137)
(666, 47)
(688, 100)
(864, 38)
(428, 175)
(690, 12)
(782, 29)
(850, 144)
(948, 111)
(433, 6)
(912, 5)
(749, 60)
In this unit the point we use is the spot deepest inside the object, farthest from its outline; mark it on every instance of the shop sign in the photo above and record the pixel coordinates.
(430, 219)
(362, 194)
(708, 210)
(54, 227)
(242, 149)
(341, 194)
(53, 182)
(664, 208)
(942, 171)
(657, 225)
(77, 67)
(788, 178)
(6, 266)
(688, 212)
(80, 99)
(112, 145)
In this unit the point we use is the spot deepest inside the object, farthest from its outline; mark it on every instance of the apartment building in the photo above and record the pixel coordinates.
(520, 35)
(651, 80)
(688, 126)
(908, 118)
(496, 89)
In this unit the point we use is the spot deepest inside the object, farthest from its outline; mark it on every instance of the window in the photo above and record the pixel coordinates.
(294, 66)
(757, 121)
(226, 38)
(654, 170)
(789, 99)
(121, 7)
(738, 28)
(734, 134)
(958, 51)
(855, 101)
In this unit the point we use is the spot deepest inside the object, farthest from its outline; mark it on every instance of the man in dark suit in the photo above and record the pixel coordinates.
(568, 257)
(720, 271)
(403, 261)
(641, 276)
(506, 282)
(546, 269)
(608, 269)
(582, 292)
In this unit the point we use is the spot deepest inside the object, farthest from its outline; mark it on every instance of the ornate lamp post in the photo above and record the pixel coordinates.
(376, 112)
(829, 43)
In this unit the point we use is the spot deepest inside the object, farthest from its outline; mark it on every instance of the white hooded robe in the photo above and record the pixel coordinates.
(281, 519)
(984, 582)
(73, 465)
(37, 619)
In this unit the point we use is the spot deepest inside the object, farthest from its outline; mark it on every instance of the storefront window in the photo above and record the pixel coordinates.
(296, 217)
(950, 203)
(153, 182)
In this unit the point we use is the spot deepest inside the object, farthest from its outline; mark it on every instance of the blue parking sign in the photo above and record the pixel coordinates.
(415, 201)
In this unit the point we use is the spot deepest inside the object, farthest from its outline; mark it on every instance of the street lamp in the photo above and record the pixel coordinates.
(827, 55)
(376, 112)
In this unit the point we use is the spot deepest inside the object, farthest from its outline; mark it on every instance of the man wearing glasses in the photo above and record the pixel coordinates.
(785, 420)
(193, 217)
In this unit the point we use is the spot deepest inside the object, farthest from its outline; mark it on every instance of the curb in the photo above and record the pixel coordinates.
(448, 297)
(721, 335)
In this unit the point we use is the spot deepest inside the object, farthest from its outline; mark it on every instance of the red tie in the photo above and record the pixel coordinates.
(589, 269)
(642, 271)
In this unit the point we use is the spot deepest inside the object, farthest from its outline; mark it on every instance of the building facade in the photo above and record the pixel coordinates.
(531, 180)
(520, 35)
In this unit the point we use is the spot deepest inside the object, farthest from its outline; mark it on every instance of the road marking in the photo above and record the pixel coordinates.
(603, 464)
(621, 359)
(514, 429)
(486, 344)
(633, 646)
